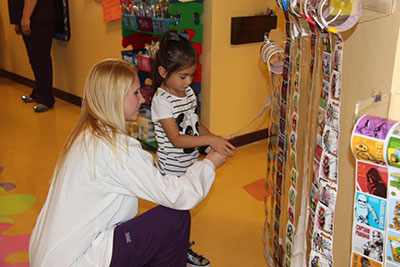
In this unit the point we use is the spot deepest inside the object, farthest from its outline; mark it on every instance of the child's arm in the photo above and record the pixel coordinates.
(203, 129)
(220, 144)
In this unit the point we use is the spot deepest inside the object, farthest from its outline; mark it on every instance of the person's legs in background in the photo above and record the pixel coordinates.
(158, 237)
(38, 46)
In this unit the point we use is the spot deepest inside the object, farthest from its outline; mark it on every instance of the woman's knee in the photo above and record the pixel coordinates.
(175, 217)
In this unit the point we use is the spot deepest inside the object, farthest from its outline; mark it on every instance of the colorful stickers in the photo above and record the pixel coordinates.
(376, 227)
(324, 182)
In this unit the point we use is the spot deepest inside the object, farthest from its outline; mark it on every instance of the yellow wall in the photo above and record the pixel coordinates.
(235, 80)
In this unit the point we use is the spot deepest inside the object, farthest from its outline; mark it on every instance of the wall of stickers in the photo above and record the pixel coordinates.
(302, 170)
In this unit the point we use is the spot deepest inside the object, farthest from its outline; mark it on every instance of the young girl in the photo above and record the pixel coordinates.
(177, 126)
(89, 218)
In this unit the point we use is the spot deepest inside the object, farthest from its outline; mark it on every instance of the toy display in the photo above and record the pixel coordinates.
(143, 23)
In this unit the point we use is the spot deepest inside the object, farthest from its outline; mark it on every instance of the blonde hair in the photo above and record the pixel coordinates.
(102, 112)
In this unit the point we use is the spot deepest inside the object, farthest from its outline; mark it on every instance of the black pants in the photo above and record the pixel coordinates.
(38, 46)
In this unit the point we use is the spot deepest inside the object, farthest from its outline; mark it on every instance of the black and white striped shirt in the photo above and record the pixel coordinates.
(172, 160)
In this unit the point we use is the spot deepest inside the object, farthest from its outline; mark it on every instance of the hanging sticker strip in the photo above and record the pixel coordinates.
(272, 56)
(293, 118)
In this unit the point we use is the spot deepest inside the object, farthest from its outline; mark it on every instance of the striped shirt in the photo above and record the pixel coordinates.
(170, 159)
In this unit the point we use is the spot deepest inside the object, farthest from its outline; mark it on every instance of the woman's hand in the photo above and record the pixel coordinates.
(26, 26)
(221, 145)
(216, 158)
(17, 29)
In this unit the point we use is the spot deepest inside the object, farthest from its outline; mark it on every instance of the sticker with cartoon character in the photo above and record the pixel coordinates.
(321, 121)
(323, 219)
(290, 231)
(326, 42)
(313, 197)
(295, 101)
(328, 167)
(368, 241)
(311, 220)
(318, 260)
(335, 85)
(292, 196)
(394, 182)
(288, 262)
(296, 82)
(322, 244)
(326, 65)
(293, 157)
(295, 118)
(327, 193)
(337, 57)
(288, 247)
(396, 130)
(332, 114)
(324, 95)
(393, 214)
(370, 210)
(374, 127)
(358, 260)
(393, 152)
(293, 177)
(330, 140)
(393, 248)
(372, 179)
(368, 149)
(291, 214)
(293, 140)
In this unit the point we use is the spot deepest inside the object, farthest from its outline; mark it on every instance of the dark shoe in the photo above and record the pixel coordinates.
(40, 108)
(27, 99)
(196, 260)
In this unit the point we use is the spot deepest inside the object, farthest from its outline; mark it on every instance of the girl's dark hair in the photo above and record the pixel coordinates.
(176, 52)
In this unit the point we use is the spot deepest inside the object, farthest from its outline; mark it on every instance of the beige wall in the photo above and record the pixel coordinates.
(235, 86)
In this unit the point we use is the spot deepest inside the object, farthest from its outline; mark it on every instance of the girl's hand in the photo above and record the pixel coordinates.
(221, 145)
(217, 159)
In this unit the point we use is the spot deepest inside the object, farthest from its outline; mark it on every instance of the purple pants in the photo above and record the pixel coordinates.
(158, 237)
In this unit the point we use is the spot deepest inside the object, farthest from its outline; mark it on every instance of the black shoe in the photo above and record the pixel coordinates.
(196, 260)
(28, 99)
(40, 108)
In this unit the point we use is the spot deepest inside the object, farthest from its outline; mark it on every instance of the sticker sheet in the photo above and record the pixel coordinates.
(376, 226)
